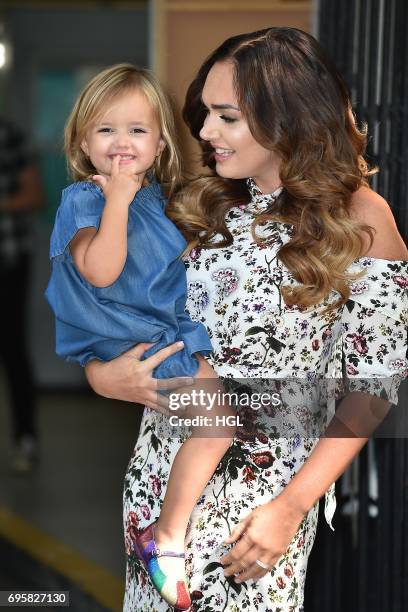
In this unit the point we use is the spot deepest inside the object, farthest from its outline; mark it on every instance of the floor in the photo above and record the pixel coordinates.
(66, 516)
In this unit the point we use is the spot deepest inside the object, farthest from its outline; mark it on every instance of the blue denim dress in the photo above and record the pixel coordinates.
(145, 304)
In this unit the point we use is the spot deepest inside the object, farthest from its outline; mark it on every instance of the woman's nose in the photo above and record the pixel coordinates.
(208, 131)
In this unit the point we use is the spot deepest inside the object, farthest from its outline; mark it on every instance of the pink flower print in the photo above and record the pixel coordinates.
(326, 334)
(397, 364)
(132, 523)
(128, 544)
(133, 519)
(145, 510)
(227, 281)
(359, 343)
(315, 345)
(351, 370)
(358, 288)
(195, 253)
(401, 281)
(156, 485)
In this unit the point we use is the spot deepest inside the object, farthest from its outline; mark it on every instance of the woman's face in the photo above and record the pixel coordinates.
(236, 152)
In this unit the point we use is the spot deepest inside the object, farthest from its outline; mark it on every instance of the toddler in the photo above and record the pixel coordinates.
(118, 279)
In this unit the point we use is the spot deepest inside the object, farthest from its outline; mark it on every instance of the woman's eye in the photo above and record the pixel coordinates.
(227, 119)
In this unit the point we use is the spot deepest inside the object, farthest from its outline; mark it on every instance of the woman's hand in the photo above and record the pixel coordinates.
(264, 535)
(129, 379)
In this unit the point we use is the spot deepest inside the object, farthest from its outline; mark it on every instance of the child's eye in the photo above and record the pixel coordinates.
(138, 131)
(227, 119)
(105, 130)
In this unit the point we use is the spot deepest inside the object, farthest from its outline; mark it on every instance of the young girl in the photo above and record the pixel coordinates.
(117, 277)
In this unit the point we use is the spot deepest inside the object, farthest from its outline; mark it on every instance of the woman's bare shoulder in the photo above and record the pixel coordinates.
(370, 208)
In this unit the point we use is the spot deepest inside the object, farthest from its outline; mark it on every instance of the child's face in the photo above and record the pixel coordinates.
(129, 128)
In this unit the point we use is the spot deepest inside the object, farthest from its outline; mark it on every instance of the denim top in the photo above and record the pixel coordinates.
(147, 301)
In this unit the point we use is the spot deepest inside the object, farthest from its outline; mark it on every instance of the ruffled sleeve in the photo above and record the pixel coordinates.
(81, 206)
(370, 352)
(374, 328)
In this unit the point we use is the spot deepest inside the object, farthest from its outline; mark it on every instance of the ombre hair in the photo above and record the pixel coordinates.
(297, 105)
(93, 102)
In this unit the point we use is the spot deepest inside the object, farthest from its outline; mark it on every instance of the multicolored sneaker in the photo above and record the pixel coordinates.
(173, 591)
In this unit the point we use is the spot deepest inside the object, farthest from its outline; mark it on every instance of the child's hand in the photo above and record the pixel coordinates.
(121, 185)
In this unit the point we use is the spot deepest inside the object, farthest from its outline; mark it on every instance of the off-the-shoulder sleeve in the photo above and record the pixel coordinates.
(81, 206)
(374, 328)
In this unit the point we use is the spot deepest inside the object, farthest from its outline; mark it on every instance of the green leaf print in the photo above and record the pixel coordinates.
(254, 330)
(211, 567)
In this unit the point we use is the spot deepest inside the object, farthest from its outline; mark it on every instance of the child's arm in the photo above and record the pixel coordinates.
(100, 255)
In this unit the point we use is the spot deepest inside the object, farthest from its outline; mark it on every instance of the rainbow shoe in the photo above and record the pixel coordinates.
(174, 592)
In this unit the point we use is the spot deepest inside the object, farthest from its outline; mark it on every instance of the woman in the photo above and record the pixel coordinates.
(305, 275)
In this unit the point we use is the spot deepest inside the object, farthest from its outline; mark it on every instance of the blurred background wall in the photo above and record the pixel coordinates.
(54, 47)
(48, 50)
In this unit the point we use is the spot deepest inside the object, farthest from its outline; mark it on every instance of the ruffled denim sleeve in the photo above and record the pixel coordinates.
(81, 206)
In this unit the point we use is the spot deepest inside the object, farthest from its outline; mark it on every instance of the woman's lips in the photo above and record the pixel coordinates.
(221, 155)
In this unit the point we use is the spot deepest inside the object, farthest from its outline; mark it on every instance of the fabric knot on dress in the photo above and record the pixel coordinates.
(260, 202)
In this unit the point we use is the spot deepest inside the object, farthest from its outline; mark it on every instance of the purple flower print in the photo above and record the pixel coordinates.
(198, 298)
(156, 484)
(145, 510)
(227, 281)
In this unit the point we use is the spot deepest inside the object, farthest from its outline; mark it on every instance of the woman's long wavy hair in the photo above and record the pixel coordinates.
(96, 98)
(297, 105)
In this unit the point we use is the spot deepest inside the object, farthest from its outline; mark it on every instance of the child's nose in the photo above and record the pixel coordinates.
(123, 139)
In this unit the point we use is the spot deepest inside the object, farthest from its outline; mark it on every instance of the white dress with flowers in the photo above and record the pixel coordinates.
(235, 292)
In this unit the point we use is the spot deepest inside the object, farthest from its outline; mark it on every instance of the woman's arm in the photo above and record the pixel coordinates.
(129, 379)
(100, 255)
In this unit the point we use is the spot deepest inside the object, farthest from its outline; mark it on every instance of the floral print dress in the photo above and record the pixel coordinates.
(235, 292)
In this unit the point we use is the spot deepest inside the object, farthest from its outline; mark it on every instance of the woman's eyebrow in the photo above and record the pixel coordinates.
(222, 106)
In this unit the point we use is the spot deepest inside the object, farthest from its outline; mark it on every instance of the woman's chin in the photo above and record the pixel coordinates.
(225, 172)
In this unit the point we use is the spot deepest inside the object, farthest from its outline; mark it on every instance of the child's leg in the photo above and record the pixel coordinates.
(192, 468)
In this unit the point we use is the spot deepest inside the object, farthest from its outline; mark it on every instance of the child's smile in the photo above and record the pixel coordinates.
(129, 128)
